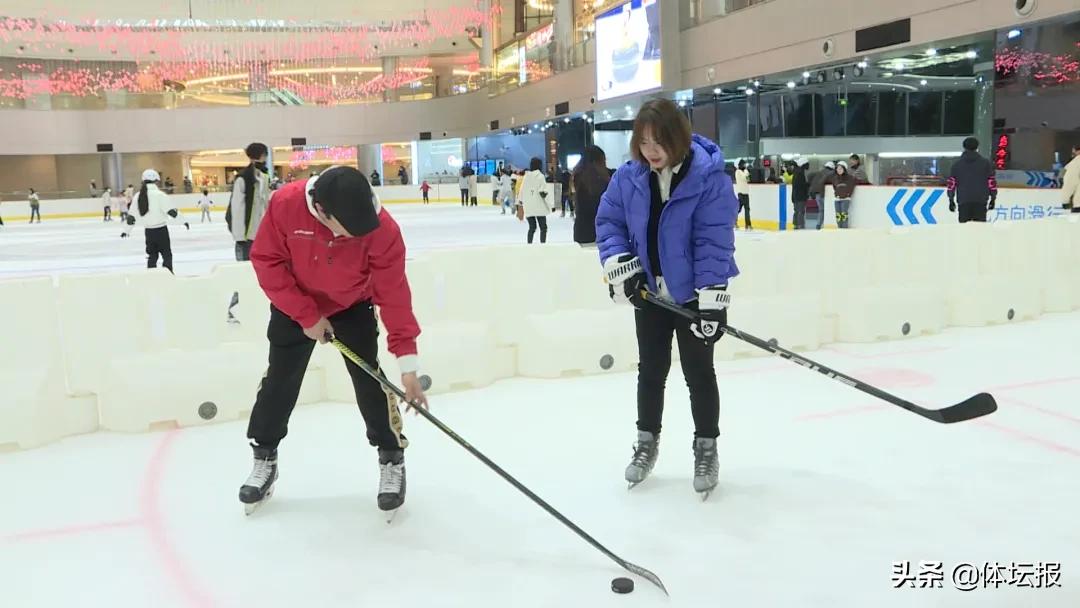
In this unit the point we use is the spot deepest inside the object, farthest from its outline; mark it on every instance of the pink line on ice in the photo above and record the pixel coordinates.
(1041, 410)
(150, 509)
(1034, 383)
(73, 530)
(1019, 435)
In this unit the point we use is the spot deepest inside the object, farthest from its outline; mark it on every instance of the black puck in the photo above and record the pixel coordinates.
(606, 362)
(425, 382)
(1011, 314)
(905, 328)
(622, 585)
(207, 410)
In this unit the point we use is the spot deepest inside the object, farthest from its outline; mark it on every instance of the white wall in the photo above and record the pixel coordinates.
(615, 144)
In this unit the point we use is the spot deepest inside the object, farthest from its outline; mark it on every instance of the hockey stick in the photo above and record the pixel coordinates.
(378, 376)
(973, 407)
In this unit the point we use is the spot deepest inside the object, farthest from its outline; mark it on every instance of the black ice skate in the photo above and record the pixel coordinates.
(706, 467)
(259, 486)
(391, 482)
(646, 450)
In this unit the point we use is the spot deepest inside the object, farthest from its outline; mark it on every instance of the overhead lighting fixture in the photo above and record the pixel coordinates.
(971, 54)
(682, 103)
(1014, 34)
(838, 73)
(859, 69)
(566, 120)
(757, 83)
(931, 52)
(822, 76)
(923, 82)
(749, 92)
(806, 74)
(790, 85)
(717, 91)
(863, 64)
(629, 109)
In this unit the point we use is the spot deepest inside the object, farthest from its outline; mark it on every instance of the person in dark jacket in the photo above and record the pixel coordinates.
(667, 223)
(817, 190)
(591, 178)
(800, 192)
(843, 184)
(973, 182)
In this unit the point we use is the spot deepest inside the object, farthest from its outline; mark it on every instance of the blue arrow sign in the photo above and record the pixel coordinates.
(929, 205)
(891, 207)
(909, 206)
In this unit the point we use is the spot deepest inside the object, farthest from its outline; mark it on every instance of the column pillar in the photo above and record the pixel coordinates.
(369, 158)
(389, 72)
(442, 77)
(564, 33)
(112, 171)
(487, 36)
(984, 108)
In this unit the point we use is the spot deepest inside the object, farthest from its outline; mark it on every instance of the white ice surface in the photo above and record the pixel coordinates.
(64, 246)
(822, 488)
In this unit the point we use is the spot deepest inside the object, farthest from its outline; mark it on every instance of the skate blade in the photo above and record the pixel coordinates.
(706, 494)
(390, 515)
(250, 508)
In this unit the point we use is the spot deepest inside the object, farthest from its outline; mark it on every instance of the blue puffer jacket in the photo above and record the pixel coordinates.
(697, 226)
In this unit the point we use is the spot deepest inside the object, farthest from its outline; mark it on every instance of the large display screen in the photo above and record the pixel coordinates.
(628, 49)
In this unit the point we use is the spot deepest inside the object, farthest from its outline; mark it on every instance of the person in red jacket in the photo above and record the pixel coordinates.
(327, 254)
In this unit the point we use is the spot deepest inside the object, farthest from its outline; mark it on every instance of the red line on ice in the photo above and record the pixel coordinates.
(73, 530)
(1041, 410)
(1019, 435)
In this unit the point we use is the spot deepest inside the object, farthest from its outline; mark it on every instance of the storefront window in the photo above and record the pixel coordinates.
(959, 112)
(770, 115)
(829, 115)
(860, 114)
(924, 113)
(892, 109)
(799, 115)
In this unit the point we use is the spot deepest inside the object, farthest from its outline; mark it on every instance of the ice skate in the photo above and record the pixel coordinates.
(259, 486)
(391, 482)
(645, 451)
(706, 467)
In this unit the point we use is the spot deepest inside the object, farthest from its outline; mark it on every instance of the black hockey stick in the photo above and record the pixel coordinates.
(968, 409)
(377, 375)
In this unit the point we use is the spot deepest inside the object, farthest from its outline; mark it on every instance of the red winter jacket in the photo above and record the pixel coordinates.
(309, 273)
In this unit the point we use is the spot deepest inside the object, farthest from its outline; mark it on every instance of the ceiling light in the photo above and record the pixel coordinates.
(757, 83)
(1014, 34)
(923, 82)
(862, 64)
(682, 103)
(566, 120)
(971, 54)
(806, 74)
(931, 52)
(717, 91)
(749, 92)
(790, 85)
(629, 109)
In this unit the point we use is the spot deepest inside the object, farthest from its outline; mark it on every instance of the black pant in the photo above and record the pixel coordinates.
(426, 201)
(242, 251)
(108, 214)
(800, 215)
(744, 206)
(158, 243)
(972, 212)
(655, 328)
(290, 351)
(533, 221)
(464, 197)
(35, 211)
(472, 201)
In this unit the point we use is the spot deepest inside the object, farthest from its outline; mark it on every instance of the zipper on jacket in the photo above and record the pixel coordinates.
(330, 252)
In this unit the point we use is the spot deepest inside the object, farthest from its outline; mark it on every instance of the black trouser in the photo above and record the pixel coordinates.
(655, 328)
(158, 243)
(35, 211)
(472, 201)
(290, 351)
(243, 251)
(533, 221)
(464, 197)
(972, 212)
(800, 215)
(744, 206)
(426, 198)
(108, 214)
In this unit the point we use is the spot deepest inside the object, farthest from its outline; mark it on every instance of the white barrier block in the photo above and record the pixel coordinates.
(793, 320)
(253, 308)
(35, 408)
(987, 300)
(577, 342)
(96, 312)
(891, 313)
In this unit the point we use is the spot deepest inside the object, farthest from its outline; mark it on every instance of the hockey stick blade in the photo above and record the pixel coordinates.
(968, 409)
(645, 574)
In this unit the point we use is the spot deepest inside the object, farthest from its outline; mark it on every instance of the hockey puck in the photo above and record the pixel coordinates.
(1011, 314)
(208, 410)
(905, 328)
(425, 382)
(622, 585)
(606, 362)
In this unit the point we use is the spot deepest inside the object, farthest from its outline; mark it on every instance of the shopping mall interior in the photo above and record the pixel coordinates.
(827, 220)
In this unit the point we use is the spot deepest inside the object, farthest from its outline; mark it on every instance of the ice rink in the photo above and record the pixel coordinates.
(822, 488)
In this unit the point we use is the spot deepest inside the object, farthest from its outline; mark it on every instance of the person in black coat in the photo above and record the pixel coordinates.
(800, 191)
(591, 177)
(973, 181)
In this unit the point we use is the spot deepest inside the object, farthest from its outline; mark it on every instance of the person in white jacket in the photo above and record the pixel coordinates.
(1070, 183)
(106, 204)
(534, 193)
(506, 190)
(742, 189)
(152, 211)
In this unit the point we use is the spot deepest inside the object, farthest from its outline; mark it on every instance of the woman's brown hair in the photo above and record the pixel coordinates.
(669, 126)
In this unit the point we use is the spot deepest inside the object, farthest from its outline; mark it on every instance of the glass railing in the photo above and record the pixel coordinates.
(540, 63)
(697, 12)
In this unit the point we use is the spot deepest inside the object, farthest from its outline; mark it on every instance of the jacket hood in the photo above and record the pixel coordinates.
(970, 156)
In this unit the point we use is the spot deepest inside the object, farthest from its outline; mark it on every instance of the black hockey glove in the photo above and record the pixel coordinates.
(711, 305)
(124, 235)
(625, 278)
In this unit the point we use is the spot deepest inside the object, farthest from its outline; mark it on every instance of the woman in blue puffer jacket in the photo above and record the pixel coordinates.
(667, 223)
